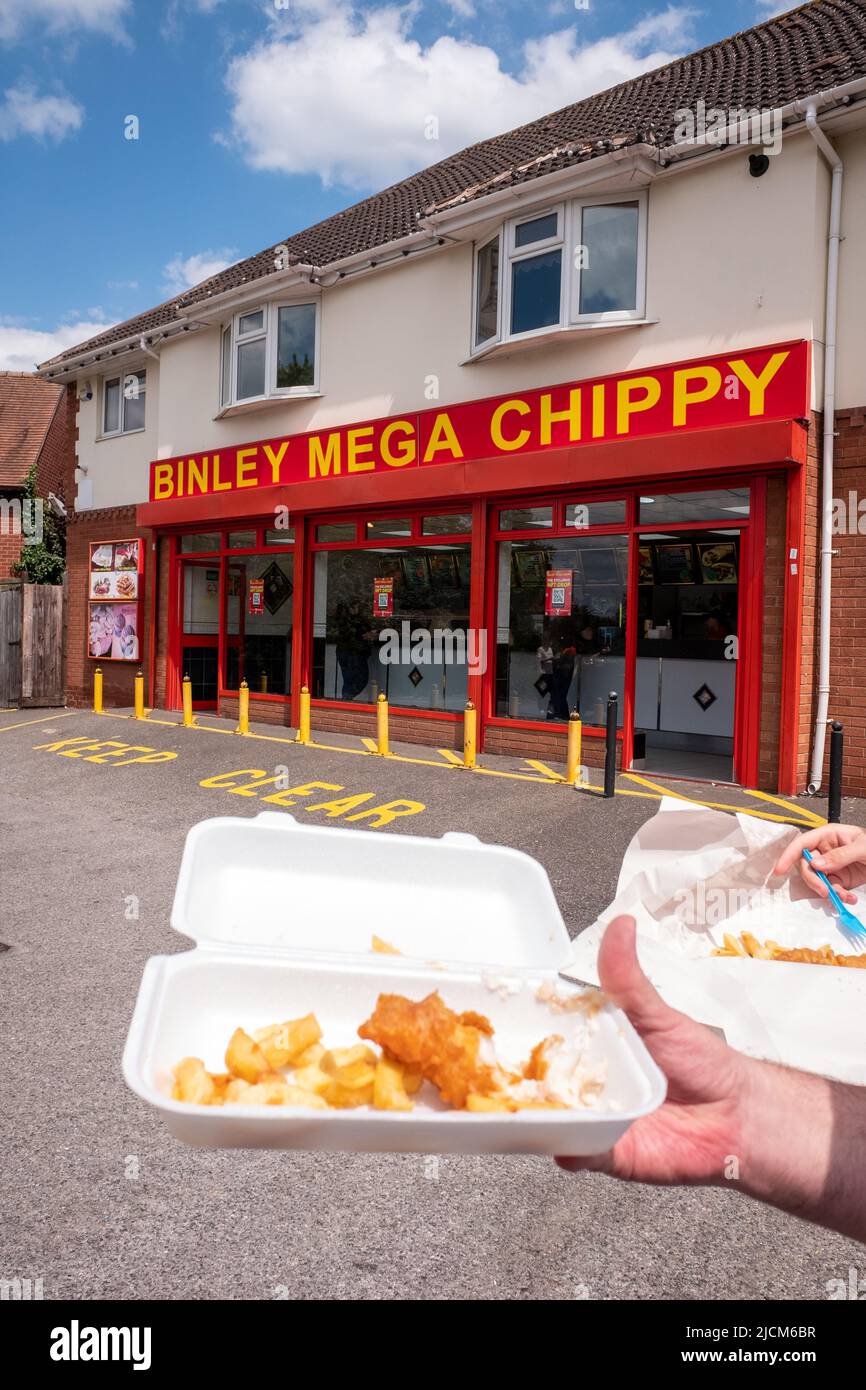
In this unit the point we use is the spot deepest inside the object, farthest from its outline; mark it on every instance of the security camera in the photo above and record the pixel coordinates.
(86, 392)
(56, 505)
(758, 165)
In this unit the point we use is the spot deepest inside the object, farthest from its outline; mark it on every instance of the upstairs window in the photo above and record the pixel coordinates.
(123, 403)
(268, 353)
(580, 262)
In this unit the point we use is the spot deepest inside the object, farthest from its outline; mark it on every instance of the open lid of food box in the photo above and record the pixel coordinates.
(270, 881)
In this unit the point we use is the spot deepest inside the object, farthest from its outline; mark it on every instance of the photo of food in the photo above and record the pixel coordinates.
(122, 584)
(645, 564)
(113, 631)
(126, 555)
(102, 557)
(718, 562)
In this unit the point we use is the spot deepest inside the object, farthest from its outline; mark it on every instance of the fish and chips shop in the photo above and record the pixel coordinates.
(638, 534)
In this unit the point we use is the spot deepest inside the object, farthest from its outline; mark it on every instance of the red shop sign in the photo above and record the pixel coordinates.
(770, 383)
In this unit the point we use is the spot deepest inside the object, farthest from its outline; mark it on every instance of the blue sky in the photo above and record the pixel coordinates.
(257, 118)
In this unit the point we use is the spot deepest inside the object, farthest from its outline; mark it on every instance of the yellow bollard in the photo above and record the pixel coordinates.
(470, 723)
(97, 691)
(572, 761)
(263, 683)
(187, 703)
(382, 726)
(139, 694)
(243, 709)
(303, 734)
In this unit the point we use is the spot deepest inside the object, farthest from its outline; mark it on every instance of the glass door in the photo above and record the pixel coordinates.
(200, 625)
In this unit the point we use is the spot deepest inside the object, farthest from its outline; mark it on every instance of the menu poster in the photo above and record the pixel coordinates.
(557, 596)
(256, 596)
(113, 632)
(383, 598)
(114, 600)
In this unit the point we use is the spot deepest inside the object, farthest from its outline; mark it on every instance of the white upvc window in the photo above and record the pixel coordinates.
(123, 400)
(270, 352)
(574, 263)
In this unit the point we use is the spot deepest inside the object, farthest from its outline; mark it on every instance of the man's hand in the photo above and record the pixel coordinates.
(799, 1141)
(699, 1125)
(839, 851)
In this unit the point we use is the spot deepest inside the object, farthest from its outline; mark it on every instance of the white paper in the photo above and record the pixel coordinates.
(692, 874)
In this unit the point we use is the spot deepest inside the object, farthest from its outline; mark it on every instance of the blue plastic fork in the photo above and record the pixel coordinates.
(850, 926)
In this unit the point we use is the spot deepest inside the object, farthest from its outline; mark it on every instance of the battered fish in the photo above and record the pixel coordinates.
(431, 1038)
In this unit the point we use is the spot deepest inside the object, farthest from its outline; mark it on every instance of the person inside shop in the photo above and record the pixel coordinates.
(562, 676)
(544, 657)
(799, 1139)
(353, 648)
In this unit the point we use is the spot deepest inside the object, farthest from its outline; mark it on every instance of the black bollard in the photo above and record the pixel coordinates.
(610, 746)
(834, 792)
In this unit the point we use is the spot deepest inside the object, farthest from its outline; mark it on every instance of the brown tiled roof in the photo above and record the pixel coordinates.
(27, 406)
(810, 49)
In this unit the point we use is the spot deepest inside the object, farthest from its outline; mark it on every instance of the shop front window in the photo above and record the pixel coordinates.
(394, 621)
(560, 627)
(258, 623)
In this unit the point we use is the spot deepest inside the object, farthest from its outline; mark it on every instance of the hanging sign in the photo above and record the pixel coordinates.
(557, 597)
(257, 596)
(383, 598)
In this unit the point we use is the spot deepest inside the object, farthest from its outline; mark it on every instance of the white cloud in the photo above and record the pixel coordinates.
(184, 271)
(21, 347)
(24, 111)
(348, 95)
(64, 16)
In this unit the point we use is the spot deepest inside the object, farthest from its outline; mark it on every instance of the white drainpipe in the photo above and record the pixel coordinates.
(830, 314)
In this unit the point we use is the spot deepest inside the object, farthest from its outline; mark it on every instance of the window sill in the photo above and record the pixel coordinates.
(556, 335)
(119, 434)
(248, 407)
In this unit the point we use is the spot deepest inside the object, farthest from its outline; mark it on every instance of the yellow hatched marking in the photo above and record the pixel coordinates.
(548, 772)
(370, 744)
(802, 811)
(450, 757)
(45, 719)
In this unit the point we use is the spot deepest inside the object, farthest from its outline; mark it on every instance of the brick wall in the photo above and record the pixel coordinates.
(52, 472)
(771, 646)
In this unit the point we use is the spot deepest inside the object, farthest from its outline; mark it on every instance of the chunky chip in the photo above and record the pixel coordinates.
(283, 1043)
(244, 1057)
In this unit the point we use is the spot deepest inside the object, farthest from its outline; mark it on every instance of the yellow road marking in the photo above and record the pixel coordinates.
(548, 772)
(46, 718)
(450, 756)
(546, 775)
(778, 801)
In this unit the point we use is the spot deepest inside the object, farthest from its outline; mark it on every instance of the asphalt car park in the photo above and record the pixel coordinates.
(99, 1201)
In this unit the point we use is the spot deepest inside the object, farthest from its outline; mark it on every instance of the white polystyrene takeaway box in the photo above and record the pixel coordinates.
(283, 916)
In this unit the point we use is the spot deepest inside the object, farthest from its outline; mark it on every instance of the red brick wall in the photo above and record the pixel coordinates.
(53, 472)
(771, 646)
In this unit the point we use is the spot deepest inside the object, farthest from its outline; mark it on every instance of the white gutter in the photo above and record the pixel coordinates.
(142, 343)
(830, 315)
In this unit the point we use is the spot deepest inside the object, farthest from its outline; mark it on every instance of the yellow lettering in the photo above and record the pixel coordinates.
(246, 461)
(218, 485)
(287, 796)
(341, 805)
(499, 439)
(358, 442)
(275, 459)
(163, 482)
(406, 452)
(442, 436)
(571, 414)
(221, 779)
(390, 811)
(327, 462)
(757, 385)
(683, 397)
(598, 410)
(197, 473)
(626, 406)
